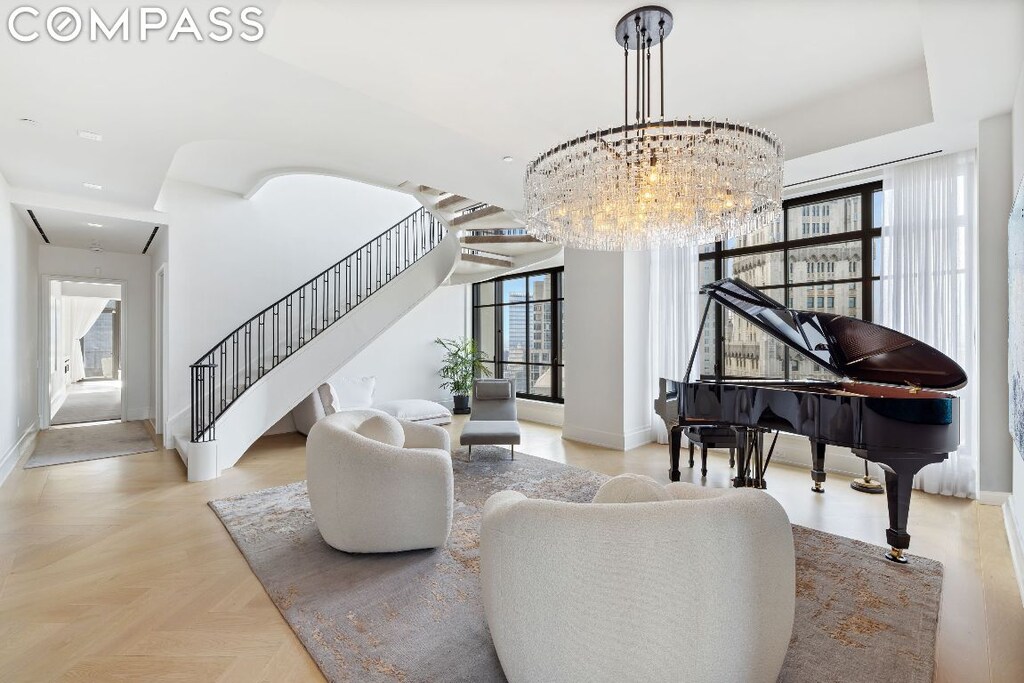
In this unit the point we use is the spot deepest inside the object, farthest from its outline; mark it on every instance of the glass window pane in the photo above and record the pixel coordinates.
(824, 218)
(877, 208)
(842, 299)
(707, 271)
(484, 329)
(490, 370)
(484, 293)
(516, 373)
(825, 262)
(513, 291)
(539, 329)
(876, 256)
(748, 351)
(760, 270)
(541, 377)
(707, 345)
(766, 235)
(540, 287)
(561, 332)
(513, 333)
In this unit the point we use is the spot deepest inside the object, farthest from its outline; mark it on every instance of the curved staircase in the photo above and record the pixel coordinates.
(271, 362)
(494, 240)
(266, 366)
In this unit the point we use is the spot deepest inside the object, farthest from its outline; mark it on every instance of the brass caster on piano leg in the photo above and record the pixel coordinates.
(896, 555)
(818, 488)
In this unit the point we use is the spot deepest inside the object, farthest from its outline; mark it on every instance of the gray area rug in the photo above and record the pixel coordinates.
(89, 442)
(89, 404)
(417, 616)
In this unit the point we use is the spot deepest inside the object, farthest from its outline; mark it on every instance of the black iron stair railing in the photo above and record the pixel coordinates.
(268, 338)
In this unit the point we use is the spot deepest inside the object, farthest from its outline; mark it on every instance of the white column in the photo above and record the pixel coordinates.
(995, 197)
(606, 393)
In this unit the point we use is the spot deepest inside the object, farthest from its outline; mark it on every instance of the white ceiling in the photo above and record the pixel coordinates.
(437, 93)
(70, 229)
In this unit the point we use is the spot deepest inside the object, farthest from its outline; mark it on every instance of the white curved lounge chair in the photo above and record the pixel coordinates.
(676, 583)
(378, 484)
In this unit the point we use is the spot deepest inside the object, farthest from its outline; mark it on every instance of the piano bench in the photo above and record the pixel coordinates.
(710, 436)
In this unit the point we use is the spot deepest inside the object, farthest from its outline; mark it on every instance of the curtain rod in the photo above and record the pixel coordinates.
(865, 168)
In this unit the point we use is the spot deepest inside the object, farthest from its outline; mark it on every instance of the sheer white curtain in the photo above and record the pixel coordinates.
(84, 312)
(673, 320)
(928, 287)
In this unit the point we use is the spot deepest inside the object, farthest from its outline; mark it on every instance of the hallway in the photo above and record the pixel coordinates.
(90, 401)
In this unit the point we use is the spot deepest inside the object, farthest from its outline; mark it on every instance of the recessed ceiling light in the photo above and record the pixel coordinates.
(89, 135)
(95, 225)
(92, 186)
(30, 122)
(506, 159)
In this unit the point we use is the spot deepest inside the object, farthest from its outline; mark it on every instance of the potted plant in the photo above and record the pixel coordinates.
(462, 363)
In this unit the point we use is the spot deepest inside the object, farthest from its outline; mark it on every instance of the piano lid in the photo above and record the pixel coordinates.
(848, 347)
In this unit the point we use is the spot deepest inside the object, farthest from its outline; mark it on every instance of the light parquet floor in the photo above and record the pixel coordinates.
(116, 570)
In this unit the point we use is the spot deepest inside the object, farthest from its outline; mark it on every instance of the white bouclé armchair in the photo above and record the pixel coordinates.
(647, 583)
(378, 484)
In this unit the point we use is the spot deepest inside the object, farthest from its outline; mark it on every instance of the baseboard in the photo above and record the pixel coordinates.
(179, 444)
(637, 438)
(998, 498)
(613, 440)
(22, 447)
(1015, 535)
(56, 402)
(144, 413)
(594, 437)
(543, 412)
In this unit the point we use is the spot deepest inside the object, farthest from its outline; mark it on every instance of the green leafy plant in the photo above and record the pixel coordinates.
(463, 361)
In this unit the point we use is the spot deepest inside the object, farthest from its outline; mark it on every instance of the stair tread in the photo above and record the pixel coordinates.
(476, 215)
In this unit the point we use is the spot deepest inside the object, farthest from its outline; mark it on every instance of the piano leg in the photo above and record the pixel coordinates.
(818, 466)
(675, 437)
(740, 480)
(899, 479)
(691, 455)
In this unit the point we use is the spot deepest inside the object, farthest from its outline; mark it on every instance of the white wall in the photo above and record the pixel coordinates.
(230, 257)
(405, 358)
(137, 303)
(1015, 506)
(607, 390)
(19, 301)
(994, 201)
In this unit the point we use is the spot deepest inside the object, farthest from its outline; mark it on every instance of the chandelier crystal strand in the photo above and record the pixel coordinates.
(654, 183)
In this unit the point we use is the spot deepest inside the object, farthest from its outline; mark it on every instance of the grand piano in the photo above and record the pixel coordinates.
(887, 403)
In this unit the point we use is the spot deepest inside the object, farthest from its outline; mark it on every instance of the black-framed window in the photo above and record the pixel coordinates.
(823, 256)
(517, 323)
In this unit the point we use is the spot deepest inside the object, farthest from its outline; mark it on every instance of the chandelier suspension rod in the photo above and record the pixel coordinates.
(661, 67)
(648, 86)
(638, 70)
(625, 83)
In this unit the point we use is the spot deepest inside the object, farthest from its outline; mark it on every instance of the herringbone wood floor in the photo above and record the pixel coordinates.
(116, 570)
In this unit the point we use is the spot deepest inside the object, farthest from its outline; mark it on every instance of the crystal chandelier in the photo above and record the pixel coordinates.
(654, 181)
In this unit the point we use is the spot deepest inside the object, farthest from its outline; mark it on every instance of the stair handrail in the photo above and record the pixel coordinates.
(397, 248)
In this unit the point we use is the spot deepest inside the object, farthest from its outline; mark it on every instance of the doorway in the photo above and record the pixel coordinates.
(160, 352)
(85, 345)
